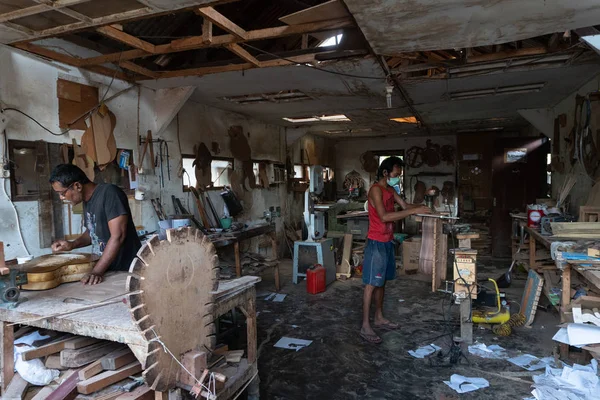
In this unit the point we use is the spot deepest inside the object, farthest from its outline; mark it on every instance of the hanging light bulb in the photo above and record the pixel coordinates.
(388, 95)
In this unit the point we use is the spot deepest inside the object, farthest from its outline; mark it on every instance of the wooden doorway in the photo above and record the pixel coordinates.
(518, 179)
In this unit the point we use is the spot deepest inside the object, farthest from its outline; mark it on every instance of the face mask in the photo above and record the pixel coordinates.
(393, 181)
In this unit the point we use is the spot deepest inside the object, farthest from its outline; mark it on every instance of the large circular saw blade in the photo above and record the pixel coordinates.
(175, 309)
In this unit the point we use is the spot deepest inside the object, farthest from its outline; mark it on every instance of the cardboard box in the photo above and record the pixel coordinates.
(411, 250)
(468, 275)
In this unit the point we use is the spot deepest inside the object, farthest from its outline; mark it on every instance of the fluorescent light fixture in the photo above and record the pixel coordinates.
(405, 120)
(593, 41)
(284, 96)
(318, 118)
(332, 41)
(499, 90)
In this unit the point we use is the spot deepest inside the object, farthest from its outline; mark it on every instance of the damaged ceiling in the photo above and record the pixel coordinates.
(398, 26)
(270, 60)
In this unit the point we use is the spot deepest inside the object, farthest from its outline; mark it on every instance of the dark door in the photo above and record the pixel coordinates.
(518, 179)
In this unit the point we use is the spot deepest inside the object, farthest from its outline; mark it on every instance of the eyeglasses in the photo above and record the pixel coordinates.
(63, 192)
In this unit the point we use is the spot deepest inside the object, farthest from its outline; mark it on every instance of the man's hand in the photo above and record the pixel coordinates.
(62, 245)
(92, 279)
(421, 210)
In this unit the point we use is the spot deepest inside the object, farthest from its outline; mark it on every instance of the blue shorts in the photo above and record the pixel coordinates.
(379, 264)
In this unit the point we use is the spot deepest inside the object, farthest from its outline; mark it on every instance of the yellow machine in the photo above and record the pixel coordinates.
(487, 314)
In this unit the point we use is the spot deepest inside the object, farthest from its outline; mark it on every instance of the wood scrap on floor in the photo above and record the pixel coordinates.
(344, 269)
(16, 389)
(252, 264)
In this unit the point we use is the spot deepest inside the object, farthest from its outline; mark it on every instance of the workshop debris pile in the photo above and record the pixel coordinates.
(72, 366)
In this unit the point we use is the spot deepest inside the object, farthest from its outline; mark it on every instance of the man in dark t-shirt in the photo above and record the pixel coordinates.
(107, 217)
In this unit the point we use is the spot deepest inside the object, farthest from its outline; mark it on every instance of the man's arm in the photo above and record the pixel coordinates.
(118, 230)
(63, 245)
(376, 198)
(403, 204)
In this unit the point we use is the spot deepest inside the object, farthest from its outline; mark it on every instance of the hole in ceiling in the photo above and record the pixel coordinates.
(318, 118)
(499, 90)
(332, 41)
(405, 120)
(285, 96)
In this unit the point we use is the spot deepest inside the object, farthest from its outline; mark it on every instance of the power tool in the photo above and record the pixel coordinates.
(9, 285)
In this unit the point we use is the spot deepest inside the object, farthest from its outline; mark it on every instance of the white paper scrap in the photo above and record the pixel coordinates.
(292, 343)
(279, 298)
(424, 351)
(464, 384)
(583, 334)
(562, 336)
(532, 363)
(570, 383)
(494, 351)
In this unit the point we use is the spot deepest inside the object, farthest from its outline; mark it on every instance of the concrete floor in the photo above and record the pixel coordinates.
(340, 365)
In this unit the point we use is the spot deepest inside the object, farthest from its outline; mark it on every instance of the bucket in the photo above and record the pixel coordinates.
(226, 223)
(181, 223)
(163, 226)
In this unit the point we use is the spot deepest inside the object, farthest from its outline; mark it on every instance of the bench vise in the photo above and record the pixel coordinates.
(9, 285)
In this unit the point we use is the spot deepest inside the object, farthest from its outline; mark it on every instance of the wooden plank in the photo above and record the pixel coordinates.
(45, 207)
(306, 58)
(53, 362)
(242, 53)
(23, 12)
(67, 390)
(207, 31)
(199, 42)
(75, 358)
(91, 370)
(523, 52)
(107, 378)
(531, 296)
(345, 268)
(16, 389)
(126, 38)
(118, 359)
(329, 10)
(44, 393)
(80, 341)
(138, 69)
(7, 354)
(46, 350)
(222, 22)
(141, 393)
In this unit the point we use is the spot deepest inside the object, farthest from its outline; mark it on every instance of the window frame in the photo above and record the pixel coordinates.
(214, 158)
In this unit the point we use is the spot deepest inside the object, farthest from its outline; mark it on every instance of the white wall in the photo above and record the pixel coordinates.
(29, 84)
(543, 120)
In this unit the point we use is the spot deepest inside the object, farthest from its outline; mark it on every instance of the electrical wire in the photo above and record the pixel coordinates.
(312, 66)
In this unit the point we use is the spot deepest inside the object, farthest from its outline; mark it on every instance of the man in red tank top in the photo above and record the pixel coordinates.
(379, 264)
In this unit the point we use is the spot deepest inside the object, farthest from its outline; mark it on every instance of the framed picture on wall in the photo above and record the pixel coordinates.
(518, 155)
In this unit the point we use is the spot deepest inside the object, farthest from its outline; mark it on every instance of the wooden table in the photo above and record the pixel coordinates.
(113, 322)
(236, 237)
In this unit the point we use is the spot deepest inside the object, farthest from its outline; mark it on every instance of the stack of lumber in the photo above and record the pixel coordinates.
(90, 369)
(576, 230)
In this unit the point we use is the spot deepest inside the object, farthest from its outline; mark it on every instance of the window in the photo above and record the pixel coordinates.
(332, 41)
(298, 172)
(218, 172)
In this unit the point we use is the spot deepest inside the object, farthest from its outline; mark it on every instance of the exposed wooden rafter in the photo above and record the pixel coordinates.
(126, 38)
(222, 22)
(242, 53)
(198, 42)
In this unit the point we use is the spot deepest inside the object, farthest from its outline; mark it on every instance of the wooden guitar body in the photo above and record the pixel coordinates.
(52, 270)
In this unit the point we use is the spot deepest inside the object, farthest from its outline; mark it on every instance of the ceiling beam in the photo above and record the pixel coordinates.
(302, 59)
(242, 53)
(126, 38)
(24, 12)
(222, 22)
(529, 51)
(198, 42)
(138, 69)
(207, 31)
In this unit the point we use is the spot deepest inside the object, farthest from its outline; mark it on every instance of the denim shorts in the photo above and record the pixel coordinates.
(379, 264)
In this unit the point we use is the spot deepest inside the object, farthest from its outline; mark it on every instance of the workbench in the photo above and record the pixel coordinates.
(235, 238)
(114, 322)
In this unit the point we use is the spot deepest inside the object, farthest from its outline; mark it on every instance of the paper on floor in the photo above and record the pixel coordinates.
(424, 351)
(292, 343)
(494, 351)
(279, 298)
(562, 336)
(579, 335)
(464, 384)
(569, 383)
(532, 363)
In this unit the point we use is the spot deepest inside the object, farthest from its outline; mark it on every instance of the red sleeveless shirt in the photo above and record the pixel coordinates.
(379, 230)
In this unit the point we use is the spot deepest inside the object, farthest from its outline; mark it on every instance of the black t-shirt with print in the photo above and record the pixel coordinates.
(109, 202)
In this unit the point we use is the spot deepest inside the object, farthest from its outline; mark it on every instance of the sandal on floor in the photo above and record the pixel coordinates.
(390, 326)
(371, 338)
